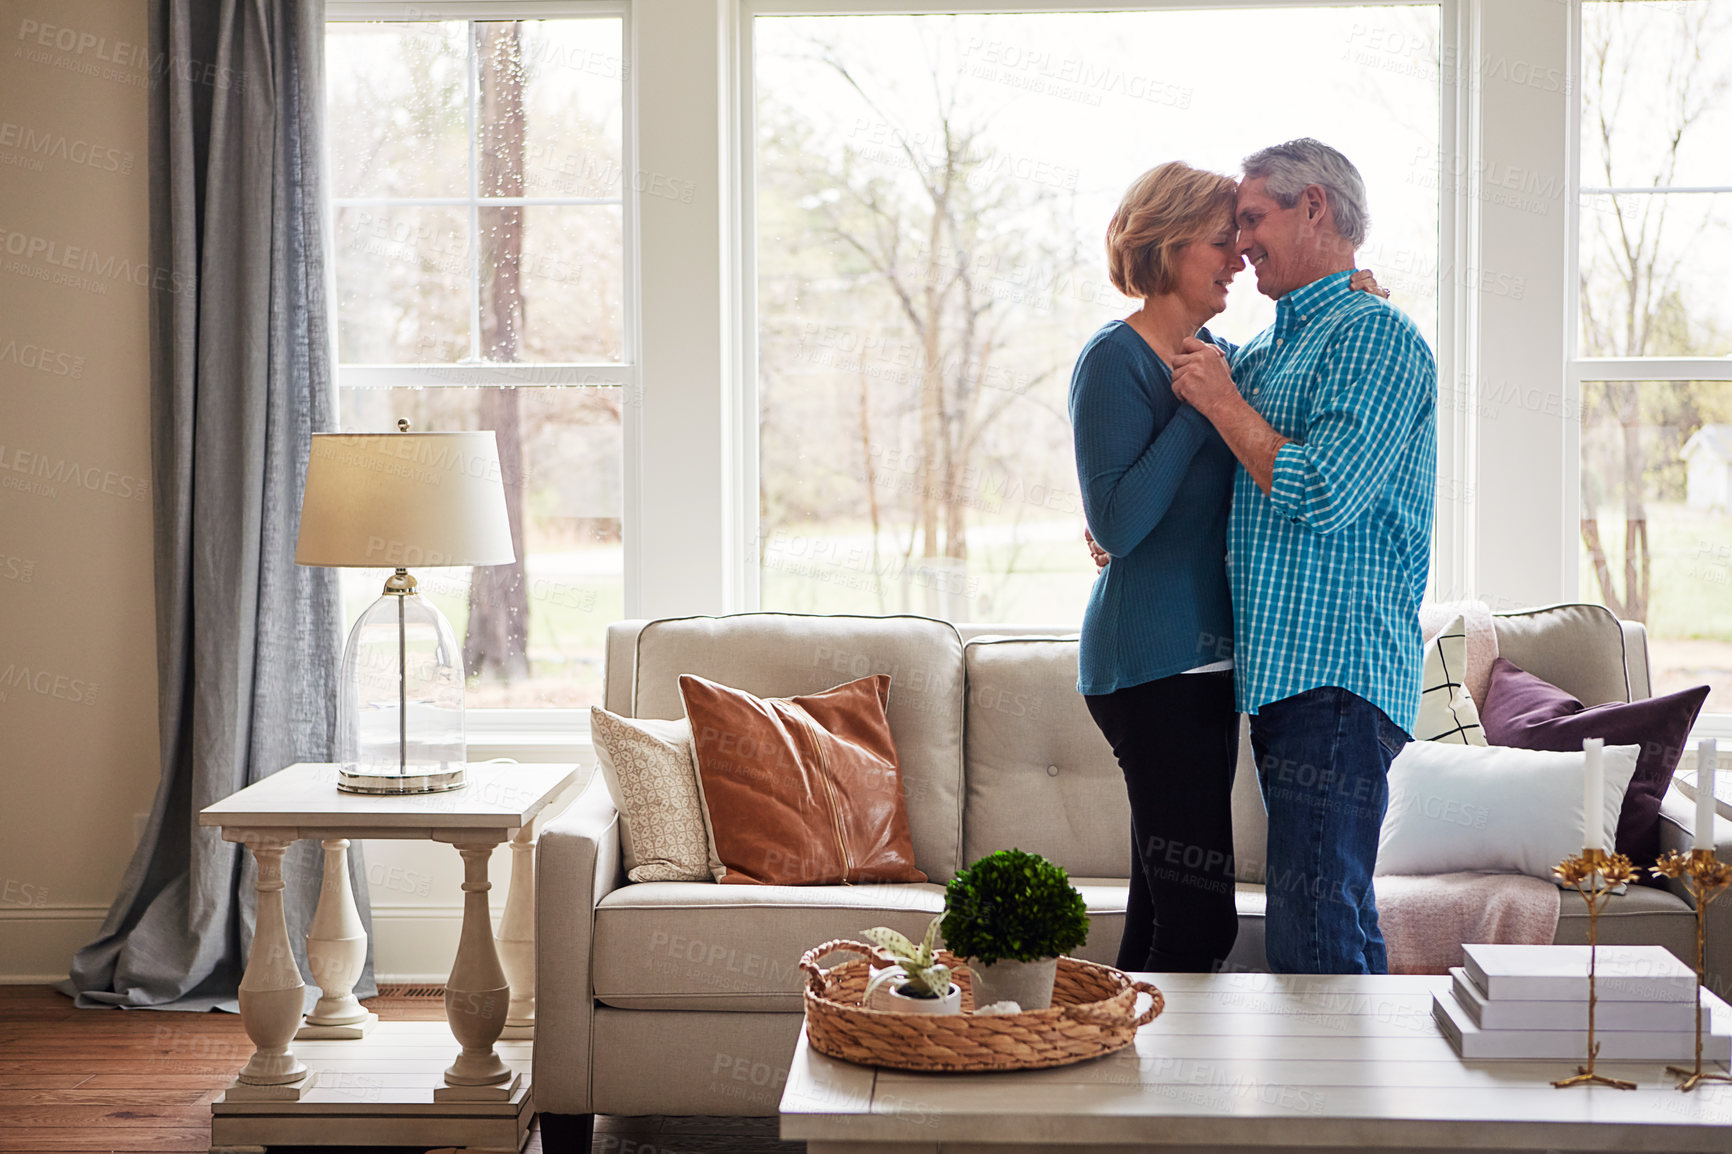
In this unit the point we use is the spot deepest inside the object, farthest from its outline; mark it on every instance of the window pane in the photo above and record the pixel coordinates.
(403, 285)
(1657, 522)
(552, 616)
(932, 194)
(573, 81)
(397, 101)
(569, 282)
(1656, 275)
(500, 109)
(1655, 103)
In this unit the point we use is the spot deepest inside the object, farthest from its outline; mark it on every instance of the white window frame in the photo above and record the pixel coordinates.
(549, 734)
(1579, 369)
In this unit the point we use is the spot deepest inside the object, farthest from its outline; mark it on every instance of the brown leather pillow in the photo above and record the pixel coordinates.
(801, 790)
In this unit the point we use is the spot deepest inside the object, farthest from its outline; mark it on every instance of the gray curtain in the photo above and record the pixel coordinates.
(248, 643)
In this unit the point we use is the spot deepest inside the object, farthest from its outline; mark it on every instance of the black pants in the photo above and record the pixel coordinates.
(1177, 741)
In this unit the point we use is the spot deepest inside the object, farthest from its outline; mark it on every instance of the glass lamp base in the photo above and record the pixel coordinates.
(391, 780)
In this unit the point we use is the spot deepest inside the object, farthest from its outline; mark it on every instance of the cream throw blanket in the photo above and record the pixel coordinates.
(1425, 920)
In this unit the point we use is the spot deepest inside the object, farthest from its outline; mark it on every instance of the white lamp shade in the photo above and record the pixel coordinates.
(402, 500)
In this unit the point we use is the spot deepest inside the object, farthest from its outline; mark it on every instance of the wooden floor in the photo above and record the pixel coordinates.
(113, 1080)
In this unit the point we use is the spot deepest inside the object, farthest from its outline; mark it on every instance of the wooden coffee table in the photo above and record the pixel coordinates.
(1258, 1062)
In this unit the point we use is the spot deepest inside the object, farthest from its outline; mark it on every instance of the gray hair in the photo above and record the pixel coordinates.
(1292, 166)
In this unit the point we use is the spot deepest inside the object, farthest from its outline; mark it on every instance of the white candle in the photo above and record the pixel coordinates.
(1705, 755)
(1593, 796)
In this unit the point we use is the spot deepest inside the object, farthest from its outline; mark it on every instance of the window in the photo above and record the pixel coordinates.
(931, 196)
(480, 236)
(1654, 331)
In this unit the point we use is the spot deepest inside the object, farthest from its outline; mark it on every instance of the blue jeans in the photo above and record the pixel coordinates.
(1323, 762)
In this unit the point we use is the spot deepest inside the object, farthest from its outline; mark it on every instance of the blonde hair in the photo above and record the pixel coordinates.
(1166, 208)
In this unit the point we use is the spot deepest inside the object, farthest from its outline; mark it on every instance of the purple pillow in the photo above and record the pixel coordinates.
(1525, 712)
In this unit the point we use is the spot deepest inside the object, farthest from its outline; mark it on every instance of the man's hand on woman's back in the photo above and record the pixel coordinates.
(1100, 555)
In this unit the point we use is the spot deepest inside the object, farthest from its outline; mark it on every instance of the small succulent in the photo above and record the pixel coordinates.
(917, 966)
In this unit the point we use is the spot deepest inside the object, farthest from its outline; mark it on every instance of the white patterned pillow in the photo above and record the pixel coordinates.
(1446, 709)
(647, 765)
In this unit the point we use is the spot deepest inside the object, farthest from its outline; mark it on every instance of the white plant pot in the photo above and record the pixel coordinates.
(1028, 984)
(891, 998)
(881, 996)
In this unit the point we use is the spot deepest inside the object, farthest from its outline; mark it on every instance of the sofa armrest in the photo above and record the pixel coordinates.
(1678, 832)
(578, 863)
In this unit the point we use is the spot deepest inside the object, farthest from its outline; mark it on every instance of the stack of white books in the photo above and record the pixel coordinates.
(1531, 1002)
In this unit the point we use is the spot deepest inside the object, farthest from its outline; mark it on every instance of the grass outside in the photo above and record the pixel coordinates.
(1043, 579)
(1690, 602)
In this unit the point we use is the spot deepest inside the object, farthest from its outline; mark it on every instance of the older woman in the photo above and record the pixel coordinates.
(1155, 663)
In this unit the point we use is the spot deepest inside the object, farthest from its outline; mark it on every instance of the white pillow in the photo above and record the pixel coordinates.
(647, 765)
(1446, 708)
(1455, 808)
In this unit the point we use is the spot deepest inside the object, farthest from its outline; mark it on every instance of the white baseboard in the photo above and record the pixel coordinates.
(406, 938)
(37, 942)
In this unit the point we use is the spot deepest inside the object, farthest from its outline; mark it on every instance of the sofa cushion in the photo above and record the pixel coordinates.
(1464, 808)
(801, 790)
(647, 768)
(700, 946)
(784, 654)
(1526, 711)
(1446, 708)
(1040, 777)
(1578, 648)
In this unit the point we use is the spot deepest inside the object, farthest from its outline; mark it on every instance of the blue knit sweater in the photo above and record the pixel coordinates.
(1157, 484)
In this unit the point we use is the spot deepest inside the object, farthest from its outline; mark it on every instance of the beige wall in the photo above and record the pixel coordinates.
(78, 734)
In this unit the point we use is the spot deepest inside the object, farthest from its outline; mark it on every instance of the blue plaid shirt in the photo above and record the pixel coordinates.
(1328, 569)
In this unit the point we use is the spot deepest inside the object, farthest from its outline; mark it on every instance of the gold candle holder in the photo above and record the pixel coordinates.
(1593, 873)
(1704, 877)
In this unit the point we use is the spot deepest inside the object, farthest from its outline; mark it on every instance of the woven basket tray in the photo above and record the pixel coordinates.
(1094, 1012)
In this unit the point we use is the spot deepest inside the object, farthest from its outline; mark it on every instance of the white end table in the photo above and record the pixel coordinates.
(480, 1101)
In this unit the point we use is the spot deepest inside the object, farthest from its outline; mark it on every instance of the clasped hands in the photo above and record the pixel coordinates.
(1201, 379)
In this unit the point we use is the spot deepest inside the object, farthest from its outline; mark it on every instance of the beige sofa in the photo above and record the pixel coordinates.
(683, 997)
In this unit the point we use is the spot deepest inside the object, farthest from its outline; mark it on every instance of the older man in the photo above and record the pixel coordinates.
(1333, 422)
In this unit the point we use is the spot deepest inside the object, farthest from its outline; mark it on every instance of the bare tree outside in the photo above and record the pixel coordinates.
(496, 640)
(1635, 301)
(926, 234)
(1656, 233)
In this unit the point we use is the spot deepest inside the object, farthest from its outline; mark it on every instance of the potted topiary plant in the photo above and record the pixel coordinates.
(1011, 914)
(918, 983)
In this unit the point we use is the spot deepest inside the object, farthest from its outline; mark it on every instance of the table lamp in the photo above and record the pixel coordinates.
(391, 500)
